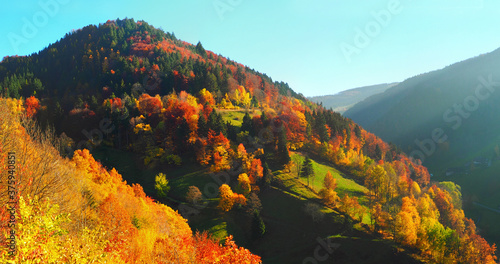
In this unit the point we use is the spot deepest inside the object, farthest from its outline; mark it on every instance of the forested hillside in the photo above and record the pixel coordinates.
(221, 143)
(76, 211)
(461, 100)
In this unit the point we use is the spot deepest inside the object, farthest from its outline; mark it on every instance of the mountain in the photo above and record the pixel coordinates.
(460, 101)
(344, 100)
(449, 119)
(116, 126)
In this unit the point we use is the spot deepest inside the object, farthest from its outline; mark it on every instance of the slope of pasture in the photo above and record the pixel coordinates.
(294, 236)
(235, 116)
(344, 184)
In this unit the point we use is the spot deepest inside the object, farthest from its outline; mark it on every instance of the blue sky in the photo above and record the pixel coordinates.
(318, 47)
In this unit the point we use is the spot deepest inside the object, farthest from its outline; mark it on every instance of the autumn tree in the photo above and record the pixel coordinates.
(244, 184)
(380, 219)
(407, 223)
(328, 193)
(206, 97)
(329, 182)
(194, 195)
(202, 152)
(226, 195)
(377, 182)
(148, 105)
(255, 172)
(32, 104)
(118, 222)
(351, 206)
(241, 97)
(228, 198)
(38, 233)
(220, 149)
(253, 203)
(329, 197)
(161, 185)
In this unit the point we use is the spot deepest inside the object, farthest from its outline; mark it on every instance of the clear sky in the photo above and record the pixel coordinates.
(318, 47)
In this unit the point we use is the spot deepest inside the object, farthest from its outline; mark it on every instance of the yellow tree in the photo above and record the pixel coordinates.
(329, 197)
(161, 185)
(407, 223)
(38, 234)
(415, 189)
(226, 195)
(205, 97)
(376, 181)
(221, 159)
(328, 193)
(381, 220)
(226, 103)
(329, 182)
(352, 207)
(244, 184)
(241, 97)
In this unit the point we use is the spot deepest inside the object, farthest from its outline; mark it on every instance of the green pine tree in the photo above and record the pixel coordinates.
(283, 154)
(258, 226)
(378, 153)
(202, 126)
(200, 50)
(247, 124)
(267, 177)
(321, 127)
(307, 169)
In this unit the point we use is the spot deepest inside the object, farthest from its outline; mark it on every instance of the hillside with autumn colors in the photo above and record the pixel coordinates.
(76, 211)
(132, 146)
(460, 103)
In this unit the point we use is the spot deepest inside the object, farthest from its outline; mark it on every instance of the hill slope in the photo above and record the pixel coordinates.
(459, 99)
(76, 211)
(344, 100)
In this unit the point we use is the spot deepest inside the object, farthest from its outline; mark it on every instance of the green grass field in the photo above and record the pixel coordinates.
(299, 186)
(344, 184)
(235, 117)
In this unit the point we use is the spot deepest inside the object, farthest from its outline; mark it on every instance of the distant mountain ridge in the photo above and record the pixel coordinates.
(342, 101)
(444, 99)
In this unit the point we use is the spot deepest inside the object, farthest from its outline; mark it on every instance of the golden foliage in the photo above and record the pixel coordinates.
(77, 211)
